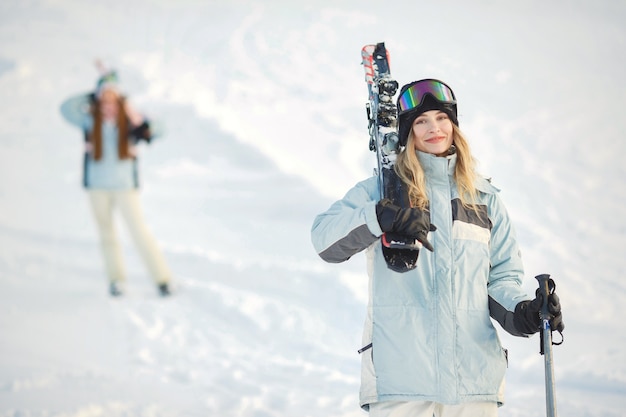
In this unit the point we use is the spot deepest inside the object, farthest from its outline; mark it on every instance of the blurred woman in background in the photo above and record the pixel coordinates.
(112, 130)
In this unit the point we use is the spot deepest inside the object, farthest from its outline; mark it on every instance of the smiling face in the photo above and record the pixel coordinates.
(432, 132)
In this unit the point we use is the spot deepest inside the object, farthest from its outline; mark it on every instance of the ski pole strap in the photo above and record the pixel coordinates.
(541, 340)
(552, 288)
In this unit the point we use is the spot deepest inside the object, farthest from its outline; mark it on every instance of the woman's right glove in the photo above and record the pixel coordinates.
(410, 222)
(526, 316)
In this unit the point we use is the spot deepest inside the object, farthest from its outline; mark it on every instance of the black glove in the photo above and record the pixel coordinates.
(142, 132)
(526, 316)
(411, 222)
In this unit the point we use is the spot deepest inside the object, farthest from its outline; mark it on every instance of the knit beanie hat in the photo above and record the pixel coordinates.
(427, 101)
(108, 81)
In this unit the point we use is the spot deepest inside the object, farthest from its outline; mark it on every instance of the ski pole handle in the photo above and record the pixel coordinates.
(544, 288)
(544, 313)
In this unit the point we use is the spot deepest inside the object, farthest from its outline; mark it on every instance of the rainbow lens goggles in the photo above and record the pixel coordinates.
(413, 96)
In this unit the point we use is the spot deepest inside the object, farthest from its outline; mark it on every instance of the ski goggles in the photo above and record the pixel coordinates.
(413, 96)
(109, 78)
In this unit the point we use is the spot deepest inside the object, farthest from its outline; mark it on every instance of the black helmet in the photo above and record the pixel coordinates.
(421, 96)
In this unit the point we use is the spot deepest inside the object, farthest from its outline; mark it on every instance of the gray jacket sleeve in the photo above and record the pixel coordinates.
(349, 225)
(507, 271)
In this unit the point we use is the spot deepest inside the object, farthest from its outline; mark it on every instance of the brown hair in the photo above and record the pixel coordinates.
(95, 136)
(410, 170)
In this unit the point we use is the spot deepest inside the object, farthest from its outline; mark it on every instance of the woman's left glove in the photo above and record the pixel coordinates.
(526, 316)
(142, 132)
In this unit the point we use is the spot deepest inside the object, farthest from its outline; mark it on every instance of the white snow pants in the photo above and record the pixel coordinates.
(431, 409)
(104, 203)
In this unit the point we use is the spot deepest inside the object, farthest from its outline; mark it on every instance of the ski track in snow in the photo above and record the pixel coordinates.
(259, 326)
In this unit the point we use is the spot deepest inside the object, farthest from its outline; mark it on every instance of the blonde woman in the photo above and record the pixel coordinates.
(429, 346)
(112, 128)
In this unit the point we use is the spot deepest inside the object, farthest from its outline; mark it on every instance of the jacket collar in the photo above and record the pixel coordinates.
(437, 166)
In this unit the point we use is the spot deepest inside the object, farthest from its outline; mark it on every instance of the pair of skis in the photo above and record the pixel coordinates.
(401, 254)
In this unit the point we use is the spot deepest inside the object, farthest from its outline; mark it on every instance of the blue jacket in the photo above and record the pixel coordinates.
(110, 172)
(429, 328)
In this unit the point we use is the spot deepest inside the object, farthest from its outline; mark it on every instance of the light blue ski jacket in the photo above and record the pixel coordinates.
(429, 328)
(110, 172)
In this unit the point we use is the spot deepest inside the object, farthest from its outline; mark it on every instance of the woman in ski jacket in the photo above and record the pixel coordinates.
(429, 346)
(111, 129)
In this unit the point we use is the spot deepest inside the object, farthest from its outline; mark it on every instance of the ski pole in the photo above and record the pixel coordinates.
(546, 286)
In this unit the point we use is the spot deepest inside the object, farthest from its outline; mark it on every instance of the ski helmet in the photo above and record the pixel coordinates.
(109, 80)
(421, 96)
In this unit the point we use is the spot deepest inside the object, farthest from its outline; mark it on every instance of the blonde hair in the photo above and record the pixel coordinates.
(410, 170)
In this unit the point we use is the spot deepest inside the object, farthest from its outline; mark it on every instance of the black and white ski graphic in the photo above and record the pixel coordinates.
(400, 253)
